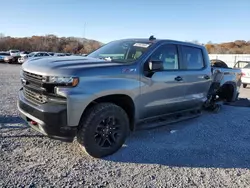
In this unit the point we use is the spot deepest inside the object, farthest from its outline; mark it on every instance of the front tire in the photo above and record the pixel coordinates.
(244, 85)
(103, 130)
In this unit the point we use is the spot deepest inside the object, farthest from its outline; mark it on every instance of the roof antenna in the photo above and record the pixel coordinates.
(152, 37)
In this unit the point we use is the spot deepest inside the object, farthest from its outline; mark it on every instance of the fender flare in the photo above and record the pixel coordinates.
(235, 92)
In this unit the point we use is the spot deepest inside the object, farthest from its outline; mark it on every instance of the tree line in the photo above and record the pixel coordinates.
(52, 43)
(49, 43)
(236, 47)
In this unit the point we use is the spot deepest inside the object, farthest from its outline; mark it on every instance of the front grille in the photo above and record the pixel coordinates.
(33, 77)
(34, 96)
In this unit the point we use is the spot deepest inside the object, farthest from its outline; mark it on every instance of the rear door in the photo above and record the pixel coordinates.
(163, 91)
(197, 75)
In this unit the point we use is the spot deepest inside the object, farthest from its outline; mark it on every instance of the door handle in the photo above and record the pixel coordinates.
(178, 78)
(206, 77)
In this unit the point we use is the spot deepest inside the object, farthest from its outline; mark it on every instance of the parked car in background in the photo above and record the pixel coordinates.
(23, 54)
(14, 53)
(3, 55)
(38, 54)
(245, 71)
(241, 64)
(51, 53)
(59, 54)
(33, 55)
(12, 57)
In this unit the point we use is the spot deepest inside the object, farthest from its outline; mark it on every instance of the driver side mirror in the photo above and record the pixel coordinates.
(155, 65)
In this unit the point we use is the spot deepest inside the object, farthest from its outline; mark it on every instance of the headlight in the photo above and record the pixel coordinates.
(61, 80)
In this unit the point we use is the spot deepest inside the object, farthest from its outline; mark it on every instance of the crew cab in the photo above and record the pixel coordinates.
(122, 86)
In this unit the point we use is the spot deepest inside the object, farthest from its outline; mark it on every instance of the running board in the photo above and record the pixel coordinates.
(169, 119)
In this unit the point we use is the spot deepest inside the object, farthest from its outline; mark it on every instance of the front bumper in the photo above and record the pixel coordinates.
(50, 118)
(7, 60)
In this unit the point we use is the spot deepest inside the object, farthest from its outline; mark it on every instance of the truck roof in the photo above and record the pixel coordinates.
(161, 41)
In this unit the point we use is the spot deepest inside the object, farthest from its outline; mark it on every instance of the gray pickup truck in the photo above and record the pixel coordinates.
(122, 86)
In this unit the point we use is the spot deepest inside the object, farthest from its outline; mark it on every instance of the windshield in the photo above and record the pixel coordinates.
(4, 54)
(121, 51)
(31, 54)
(14, 51)
(242, 64)
(247, 66)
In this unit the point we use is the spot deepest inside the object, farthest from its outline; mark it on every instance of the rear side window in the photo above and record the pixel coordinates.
(193, 58)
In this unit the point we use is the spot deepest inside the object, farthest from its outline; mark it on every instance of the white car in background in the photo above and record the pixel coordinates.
(245, 72)
(33, 55)
(14, 53)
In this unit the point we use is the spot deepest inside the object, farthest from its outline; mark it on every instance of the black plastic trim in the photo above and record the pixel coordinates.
(53, 116)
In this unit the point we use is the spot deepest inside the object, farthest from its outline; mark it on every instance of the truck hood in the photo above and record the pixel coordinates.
(66, 65)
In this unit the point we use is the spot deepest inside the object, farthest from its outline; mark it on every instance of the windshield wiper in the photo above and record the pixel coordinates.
(112, 60)
(118, 61)
(106, 58)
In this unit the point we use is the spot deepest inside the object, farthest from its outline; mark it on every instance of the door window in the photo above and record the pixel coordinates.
(193, 57)
(168, 55)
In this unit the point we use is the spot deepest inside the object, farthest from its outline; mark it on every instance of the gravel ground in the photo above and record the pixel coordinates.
(209, 151)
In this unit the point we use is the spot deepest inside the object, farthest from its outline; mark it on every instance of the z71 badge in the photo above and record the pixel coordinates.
(127, 70)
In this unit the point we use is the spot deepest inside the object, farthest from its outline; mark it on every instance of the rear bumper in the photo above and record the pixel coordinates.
(245, 80)
(51, 119)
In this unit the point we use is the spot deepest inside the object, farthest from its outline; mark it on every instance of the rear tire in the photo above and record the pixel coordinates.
(103, 129)
(244, 85)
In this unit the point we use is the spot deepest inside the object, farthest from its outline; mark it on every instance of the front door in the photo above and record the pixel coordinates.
(162, 92)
